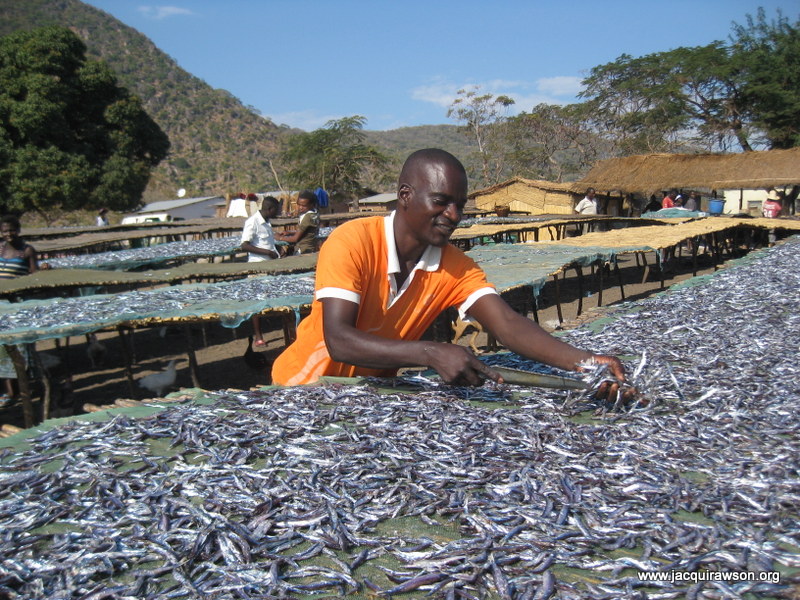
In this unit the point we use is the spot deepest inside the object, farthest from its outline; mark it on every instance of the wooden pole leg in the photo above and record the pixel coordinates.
(193, 370)
(23, 383)
(126, 357)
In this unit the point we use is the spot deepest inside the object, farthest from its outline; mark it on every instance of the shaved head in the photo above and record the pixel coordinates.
(418, 162)
(431, 194)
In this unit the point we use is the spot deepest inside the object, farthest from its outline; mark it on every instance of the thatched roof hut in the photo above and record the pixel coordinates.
(650, 173)
(527, 195)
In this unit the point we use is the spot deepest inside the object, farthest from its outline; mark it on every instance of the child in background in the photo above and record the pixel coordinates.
(304, 238)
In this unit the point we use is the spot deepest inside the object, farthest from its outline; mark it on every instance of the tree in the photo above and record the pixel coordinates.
(662, 101)
(70, 137)
(770, 58)
(719, 95)
(334, 157)
(483, 115)
(551, 141)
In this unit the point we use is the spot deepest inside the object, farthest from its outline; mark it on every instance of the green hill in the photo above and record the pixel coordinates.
(399, 143)
(403, 141)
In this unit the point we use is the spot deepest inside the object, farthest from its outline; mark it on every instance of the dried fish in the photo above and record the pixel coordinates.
(149, 255)
(333, 481)
(234, 301)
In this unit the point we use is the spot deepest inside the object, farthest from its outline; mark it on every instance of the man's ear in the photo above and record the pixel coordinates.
(404, 194)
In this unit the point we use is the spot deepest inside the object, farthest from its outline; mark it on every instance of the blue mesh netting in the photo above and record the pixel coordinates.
(512, 265)
(674, 213)
(507, 266)
(231, 302)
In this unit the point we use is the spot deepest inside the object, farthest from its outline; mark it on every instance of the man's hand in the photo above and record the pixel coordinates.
(609, 390)
(458, 366)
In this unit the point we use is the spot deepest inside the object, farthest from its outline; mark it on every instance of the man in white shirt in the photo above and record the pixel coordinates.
(589, 205)
(258, 240)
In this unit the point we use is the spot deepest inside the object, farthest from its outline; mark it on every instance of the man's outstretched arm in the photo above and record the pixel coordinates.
(347, 344)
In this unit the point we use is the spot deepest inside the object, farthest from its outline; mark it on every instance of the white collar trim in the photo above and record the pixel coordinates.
(429, 261)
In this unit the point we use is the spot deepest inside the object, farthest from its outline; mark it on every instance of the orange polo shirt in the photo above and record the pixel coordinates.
(357, 263)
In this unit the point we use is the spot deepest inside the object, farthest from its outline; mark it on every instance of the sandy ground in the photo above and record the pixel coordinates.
(220, 351)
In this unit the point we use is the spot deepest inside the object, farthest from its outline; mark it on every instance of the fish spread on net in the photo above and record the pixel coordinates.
(150, 254)
(286, 492)
(168, 300)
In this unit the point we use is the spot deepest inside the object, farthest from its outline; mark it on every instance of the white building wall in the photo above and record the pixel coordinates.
(744, 201)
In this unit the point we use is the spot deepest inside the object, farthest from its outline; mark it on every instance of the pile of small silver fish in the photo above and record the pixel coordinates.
(150, 255)
(163, 302)
(337, 490)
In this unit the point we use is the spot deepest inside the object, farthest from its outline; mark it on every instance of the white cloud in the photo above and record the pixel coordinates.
(560, 86)
(441, 94)
(307, 120)
(163, 12)
(526, 94)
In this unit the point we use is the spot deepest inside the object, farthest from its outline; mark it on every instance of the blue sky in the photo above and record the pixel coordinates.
(400, 63)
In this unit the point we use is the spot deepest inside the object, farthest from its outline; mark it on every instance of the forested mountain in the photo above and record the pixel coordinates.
(217, 144)
(399, 143)
(402, 142)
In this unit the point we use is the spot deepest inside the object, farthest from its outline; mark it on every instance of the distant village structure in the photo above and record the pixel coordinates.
(208, 207)
(176, 210)
(377, 203)
(740, 180)
(525, 196)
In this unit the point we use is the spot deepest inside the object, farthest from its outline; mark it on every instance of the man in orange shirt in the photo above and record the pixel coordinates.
(382, 281)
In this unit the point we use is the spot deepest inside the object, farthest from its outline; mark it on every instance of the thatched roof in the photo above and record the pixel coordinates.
(649, 173)
(549, 186)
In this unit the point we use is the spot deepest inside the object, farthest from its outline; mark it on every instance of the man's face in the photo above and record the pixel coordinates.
(590, 194)
(269, 210)
(435, 197)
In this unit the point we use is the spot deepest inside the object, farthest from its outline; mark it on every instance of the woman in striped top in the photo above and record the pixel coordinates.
(16, 259)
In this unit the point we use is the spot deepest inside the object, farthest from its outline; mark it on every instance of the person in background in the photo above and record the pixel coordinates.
(382, 281)
(17, 258)
(102, 218)
(771, 209)
(692, 202)
(589, 205)
(258, 240)
(304, 238)
(669, 199)
(237, 206)
(653, 205)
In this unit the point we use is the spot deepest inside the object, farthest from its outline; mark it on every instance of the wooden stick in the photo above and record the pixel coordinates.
(126, 403)
(126, 356)
(192, 357)
(24, 384)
